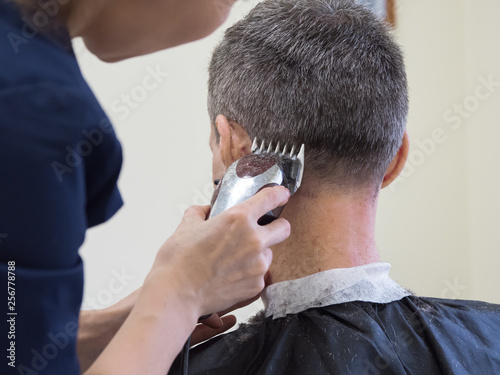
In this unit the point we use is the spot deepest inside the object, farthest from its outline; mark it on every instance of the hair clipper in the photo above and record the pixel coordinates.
(265, 167)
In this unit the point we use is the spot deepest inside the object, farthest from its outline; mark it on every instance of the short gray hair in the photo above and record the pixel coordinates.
(326, 73)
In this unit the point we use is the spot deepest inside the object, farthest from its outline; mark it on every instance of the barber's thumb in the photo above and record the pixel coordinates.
(268, 256)
(196, 214)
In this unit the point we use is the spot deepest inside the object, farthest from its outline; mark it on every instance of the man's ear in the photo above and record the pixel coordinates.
(398, 163)
(234, 141)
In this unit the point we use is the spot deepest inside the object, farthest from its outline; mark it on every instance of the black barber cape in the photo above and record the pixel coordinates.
(413, 335)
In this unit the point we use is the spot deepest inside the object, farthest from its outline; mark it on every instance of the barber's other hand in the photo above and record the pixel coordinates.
(218, 323)
(222, 261)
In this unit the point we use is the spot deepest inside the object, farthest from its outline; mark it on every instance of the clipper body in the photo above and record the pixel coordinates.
(265, 167)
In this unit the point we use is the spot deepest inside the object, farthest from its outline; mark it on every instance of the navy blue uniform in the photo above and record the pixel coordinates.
(59, 163)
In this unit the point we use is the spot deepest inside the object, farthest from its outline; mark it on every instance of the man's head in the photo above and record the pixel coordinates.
(326, 73)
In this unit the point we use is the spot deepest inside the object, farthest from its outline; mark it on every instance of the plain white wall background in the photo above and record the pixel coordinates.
(437, 224)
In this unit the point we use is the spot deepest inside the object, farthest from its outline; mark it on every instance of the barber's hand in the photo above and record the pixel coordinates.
(218, 323)
(223, 261)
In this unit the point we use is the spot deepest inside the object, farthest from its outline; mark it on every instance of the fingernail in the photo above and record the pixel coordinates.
(287, 192)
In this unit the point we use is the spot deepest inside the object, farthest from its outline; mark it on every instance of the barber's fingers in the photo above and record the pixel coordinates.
(275, 232)
(268, 257)
(256, 207)
(239, 305)
(202, 332)
(213, 321)
(264, 201)
(196, 214)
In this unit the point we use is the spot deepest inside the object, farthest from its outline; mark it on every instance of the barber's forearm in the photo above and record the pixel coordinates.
(148, 342)
(96, 328)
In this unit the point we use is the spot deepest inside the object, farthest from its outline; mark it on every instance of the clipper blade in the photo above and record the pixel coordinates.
(268, 148)
(268, 165)
(292, 162)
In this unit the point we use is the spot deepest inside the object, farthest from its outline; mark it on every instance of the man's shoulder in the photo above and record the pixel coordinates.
(453, 308)
(427, 334)
(464, 304)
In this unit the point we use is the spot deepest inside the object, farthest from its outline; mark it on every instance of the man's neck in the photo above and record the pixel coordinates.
(328, 231)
